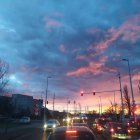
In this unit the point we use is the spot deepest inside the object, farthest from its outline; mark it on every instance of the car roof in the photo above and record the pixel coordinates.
(77, 128)
(80, 124)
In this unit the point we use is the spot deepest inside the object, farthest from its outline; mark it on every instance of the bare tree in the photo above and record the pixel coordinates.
(127, 103)
(139, 86)
(110, 108)
(4, 68)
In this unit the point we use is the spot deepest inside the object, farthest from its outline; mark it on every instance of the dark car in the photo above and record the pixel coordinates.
(134, 127)
(72, 133)
(80, 124)
(25, 120)
(99, 124)
(115, 130)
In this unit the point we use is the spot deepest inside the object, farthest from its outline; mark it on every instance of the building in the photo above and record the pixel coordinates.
(23, 103)
(6, 107)
(38, 105)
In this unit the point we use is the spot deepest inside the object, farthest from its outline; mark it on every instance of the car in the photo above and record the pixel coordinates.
(25, 120)
(115, 130)
(67, 121)
(80, 124)
(99, 124)
(72, 133)
(134, 127)
(51, 124)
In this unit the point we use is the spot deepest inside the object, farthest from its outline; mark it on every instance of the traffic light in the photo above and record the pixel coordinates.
(93, 93)
(82, 94)
(47, 102)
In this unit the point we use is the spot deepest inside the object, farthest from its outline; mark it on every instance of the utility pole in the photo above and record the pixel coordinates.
(80, 108)
(68, 102)
(121, 98)
(99, 110)
(133, 100)
(46, 100)
(100, 104)
(53, 101)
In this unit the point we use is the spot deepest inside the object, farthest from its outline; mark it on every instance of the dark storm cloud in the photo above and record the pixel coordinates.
(74, 41)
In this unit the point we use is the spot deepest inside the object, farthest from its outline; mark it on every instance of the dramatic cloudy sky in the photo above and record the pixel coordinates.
(78, 43)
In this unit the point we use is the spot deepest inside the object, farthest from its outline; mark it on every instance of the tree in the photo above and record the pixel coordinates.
(6, 107)
(4, 68)
(127, 103)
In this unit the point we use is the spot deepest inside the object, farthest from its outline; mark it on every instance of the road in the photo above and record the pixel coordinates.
(34, 134)
(34, 131)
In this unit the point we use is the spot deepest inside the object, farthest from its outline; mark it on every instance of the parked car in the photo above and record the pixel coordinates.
(99, 124)
(115, 130)
(51, 124)
(25, 120)
(134, 127)
(72, 133)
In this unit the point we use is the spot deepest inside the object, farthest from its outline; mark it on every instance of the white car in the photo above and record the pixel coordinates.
(25, 120)
(51, 124)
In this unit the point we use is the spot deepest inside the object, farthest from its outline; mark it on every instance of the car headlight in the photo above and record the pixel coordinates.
(45, 125)
(54, 126)
(68, 120)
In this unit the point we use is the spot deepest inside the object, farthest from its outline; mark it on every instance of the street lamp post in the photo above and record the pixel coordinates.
(46, 99)
(121, 98)
(127, 60)
(133, 100)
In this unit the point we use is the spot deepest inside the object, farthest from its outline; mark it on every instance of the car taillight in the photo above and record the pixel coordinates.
(71, 131)
(112, 130)
(129, 130)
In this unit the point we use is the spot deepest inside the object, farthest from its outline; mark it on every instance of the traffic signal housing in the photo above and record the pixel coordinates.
(93, 93)
(82, 94)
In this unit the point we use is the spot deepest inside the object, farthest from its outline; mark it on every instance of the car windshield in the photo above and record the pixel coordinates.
(51, 121)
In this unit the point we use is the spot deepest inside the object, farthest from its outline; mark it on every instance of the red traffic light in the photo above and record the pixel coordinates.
(93, 93)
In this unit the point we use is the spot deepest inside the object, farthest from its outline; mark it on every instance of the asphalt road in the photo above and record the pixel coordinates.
(34, 131)
(34, 134)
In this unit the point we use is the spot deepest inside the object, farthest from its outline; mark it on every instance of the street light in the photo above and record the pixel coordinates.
(46, 91)
(133, 101)
(123, 117)
(46, 98)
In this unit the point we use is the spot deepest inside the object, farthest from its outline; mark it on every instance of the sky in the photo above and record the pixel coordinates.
(80, 44)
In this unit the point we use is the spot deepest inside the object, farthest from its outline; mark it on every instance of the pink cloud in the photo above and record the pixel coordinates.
(81, 57)
(93, 30)
(33, 69)
(25, 85)
(51, 23)
(136, 77)
(93, 67)
(128, 31)
(62, 48)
